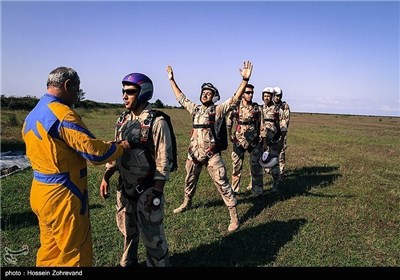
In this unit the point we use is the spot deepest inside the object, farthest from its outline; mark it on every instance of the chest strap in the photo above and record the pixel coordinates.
(269, 120)
(210, 125)
(246, 123)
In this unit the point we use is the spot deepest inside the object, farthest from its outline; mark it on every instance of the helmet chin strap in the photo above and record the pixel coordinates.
(208, 103)
(138, 106)
(134, 108)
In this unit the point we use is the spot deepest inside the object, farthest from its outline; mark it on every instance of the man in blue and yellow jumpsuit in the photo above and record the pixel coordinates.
(58, 144)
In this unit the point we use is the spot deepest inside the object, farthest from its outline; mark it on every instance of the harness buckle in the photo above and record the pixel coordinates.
(139, 189)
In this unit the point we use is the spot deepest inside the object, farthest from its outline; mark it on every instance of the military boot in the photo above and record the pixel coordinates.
(187, 202)
(234, 225)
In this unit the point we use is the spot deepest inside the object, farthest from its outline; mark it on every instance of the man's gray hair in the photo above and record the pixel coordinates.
(58, 76)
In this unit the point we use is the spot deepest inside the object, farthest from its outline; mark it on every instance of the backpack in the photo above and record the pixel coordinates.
(222, 137)
(146, 135)
(148, 125)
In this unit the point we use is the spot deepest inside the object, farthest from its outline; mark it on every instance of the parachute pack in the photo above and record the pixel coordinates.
(146, 137)
(222, 137)
(149, 126)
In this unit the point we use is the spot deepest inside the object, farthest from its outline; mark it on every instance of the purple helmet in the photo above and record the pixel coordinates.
(143, 82)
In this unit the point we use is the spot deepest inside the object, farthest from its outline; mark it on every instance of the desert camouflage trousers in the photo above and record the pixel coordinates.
(134, 221)
(274, 171)
(255, 168)
(217, 170)
(282, 153)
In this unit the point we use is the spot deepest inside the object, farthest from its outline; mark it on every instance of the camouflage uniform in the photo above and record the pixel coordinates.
(133, 218)
(270, 115)
(201, 152)
(284, 125)
(246, 138)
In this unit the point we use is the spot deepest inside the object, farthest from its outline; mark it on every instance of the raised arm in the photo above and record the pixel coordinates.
(177, 91)
(246, 73)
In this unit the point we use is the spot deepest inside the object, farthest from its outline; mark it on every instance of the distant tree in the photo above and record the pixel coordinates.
(158, 104)
(79, 98)
(81, 95)
(19, 103)
(4, 101)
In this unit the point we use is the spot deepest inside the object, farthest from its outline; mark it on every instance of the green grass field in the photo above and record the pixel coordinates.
(338, 207)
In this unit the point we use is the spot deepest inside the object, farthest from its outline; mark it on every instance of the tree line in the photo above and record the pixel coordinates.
(28, 102)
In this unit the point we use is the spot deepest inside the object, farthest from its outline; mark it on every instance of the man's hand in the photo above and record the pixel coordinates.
(105, 181)
(247, 69)
(125, 144)
(104, 189)
(170, 73)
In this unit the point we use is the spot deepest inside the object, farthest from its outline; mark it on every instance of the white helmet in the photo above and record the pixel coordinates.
(278, 91)
(268, 90)
(267, 161)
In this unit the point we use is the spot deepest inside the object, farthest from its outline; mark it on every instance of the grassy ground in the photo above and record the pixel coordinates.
(339, 206)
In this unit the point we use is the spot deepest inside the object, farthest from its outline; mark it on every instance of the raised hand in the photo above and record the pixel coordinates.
(170, 73)
(247, 69)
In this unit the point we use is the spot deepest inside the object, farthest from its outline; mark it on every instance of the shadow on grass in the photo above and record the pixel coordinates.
(96, 206)
(297, 182)
(18, 220)
(251, 247)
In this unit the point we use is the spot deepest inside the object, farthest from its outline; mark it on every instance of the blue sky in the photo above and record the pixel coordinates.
(328, 57)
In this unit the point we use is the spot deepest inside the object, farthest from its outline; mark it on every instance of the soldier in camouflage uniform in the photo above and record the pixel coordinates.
(203, 149)
(270, 132)
(284, 125)
(143, 170)
(246, 119)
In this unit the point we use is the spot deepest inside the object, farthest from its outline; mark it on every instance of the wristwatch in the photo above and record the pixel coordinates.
(156, 201)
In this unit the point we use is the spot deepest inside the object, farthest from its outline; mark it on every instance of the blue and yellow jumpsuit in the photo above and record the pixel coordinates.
(58, 145)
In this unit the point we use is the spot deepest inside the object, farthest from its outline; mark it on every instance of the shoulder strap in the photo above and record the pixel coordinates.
(121, 118)
(256, 116)
(211, 119)
(276, 122)
(155, 114)
(145, 134)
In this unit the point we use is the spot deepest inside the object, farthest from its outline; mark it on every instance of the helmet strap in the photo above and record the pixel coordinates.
(208, 103)
(139, 107)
